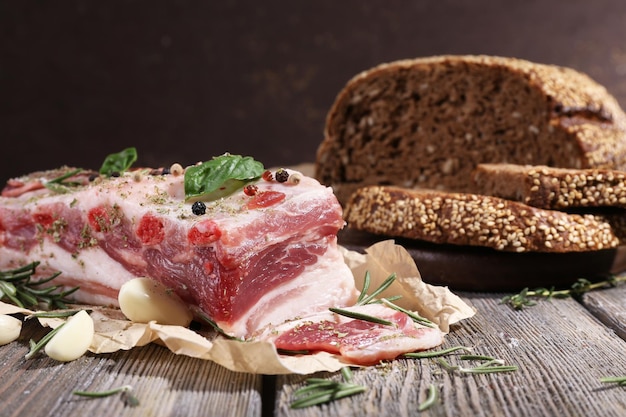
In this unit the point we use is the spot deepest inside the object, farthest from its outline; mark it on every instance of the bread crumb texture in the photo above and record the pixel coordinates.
(428, 123)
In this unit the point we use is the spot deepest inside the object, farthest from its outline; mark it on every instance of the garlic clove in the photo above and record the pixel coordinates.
(10, 329)
(73, 339)
(143, 300)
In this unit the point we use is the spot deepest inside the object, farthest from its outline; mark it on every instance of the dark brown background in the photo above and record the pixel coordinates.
(183, 81)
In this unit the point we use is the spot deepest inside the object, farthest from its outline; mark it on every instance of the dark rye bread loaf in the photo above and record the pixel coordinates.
(552, 188)
(428, 122)
(474, 220)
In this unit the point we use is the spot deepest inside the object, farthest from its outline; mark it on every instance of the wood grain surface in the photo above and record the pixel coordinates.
(562, 348)
(164, 383)
(610, 308)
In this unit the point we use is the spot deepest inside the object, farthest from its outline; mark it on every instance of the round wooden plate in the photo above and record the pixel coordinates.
(468, 268)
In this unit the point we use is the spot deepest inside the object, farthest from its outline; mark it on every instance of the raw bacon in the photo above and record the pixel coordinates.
(250, 261)
(358, 341)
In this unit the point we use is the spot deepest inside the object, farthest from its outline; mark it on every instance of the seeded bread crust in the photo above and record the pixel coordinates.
(428, 122)
(552, 188)
(617, 220)
(476, 220)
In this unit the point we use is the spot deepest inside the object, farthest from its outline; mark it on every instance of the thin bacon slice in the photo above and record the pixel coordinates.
(359, 341)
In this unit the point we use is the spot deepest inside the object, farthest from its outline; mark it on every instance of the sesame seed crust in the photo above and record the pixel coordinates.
(552, 188)
(472, 219)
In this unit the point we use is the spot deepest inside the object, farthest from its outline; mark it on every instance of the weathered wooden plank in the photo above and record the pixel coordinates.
(562, 351)
(609, 306)
(560, 348)
(165, 384)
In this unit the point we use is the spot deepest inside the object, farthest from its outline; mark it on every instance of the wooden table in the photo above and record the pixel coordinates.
(562, 347)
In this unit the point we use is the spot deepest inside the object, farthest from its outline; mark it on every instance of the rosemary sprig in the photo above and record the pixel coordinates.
(619, 380)
(360, 316)
(431, 398)
(435, 353)
(126, 391)
(291, 352)
(476, 358)
(321, 391)
(491, 366)
(36, 347)
(55, 314)
(367, 299)
(526, 297)
(201, 314)
(415, 317)
(17, 287)
(59, 186)
(488, 365)
(366, 287)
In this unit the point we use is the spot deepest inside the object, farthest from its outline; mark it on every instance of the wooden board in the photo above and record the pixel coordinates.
(609, 306)
(560, 348)
(166, 385)
(465, 268)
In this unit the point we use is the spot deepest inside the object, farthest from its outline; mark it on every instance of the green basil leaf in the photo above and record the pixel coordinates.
(118, 162)
(220, 177)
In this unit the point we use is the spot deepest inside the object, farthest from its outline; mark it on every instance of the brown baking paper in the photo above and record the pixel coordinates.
(438, 304)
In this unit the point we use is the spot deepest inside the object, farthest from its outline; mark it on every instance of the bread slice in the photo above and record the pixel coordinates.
(428, 122)
(617, 220)
(552, 188)
(476, 220)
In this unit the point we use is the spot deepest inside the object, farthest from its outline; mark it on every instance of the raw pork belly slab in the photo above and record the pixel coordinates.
(249, 261)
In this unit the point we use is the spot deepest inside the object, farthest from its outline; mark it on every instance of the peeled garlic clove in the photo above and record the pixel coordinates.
(143, 300)
(10, 329)
(73, 339)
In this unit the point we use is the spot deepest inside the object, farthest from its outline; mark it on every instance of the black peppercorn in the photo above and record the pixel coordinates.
(282, 175)
(198, 208)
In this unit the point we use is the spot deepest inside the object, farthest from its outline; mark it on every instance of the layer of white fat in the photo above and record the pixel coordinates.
(90, 266)
(164, 196)
(393, 345)
(236, 228)
(328, 283)
(161, 195)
